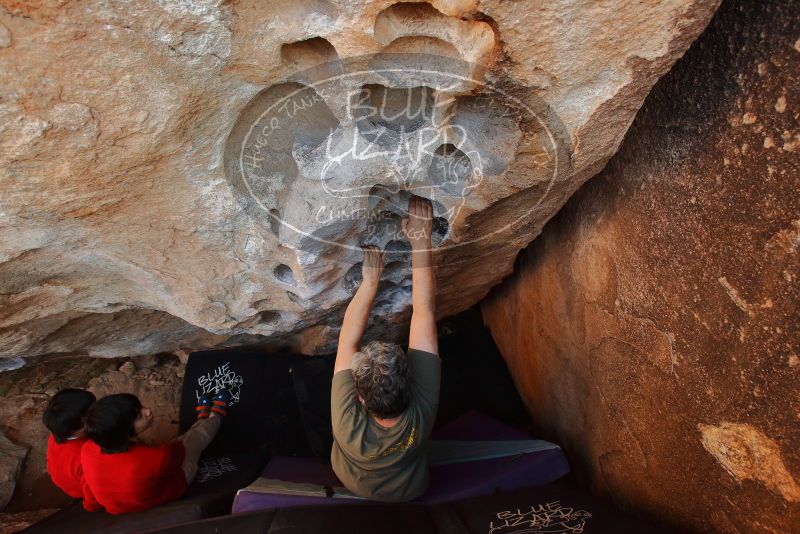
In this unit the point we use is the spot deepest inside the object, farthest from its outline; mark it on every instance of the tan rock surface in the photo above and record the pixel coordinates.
(121, 231)
(652, 328)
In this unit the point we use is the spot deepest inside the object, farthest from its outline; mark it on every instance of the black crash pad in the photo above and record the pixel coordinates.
(244, 374)
(311, 378)
(552, 509)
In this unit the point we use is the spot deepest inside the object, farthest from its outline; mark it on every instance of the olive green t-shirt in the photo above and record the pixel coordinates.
(385, 464)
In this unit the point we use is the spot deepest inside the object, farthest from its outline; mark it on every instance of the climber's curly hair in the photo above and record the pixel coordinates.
(381, 374)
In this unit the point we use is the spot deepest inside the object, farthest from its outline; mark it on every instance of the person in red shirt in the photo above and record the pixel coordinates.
(122, 475)
(64, 418)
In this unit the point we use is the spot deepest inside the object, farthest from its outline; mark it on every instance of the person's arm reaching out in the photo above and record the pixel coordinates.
(357, 315)
(418, 229)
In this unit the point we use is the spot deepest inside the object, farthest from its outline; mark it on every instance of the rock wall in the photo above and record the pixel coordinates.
(146, 207)
(652, 328)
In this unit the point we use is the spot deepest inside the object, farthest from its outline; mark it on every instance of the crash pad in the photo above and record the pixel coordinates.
(447, 483)
(554, 508)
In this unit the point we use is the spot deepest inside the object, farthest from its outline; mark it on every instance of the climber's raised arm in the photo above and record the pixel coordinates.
(382, 398)
(357, 315)
(418, 229)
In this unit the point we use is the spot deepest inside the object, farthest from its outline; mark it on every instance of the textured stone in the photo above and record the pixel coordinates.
(128, 369)
(17, 522)
(122, 230)
(652, 328)
(11, 458)
(5, 37)
(747, 454)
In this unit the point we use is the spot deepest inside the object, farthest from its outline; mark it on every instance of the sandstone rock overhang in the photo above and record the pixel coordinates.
(123, 230)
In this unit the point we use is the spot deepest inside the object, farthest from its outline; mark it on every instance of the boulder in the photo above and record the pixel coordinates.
(148, 204)
(11, 458)
(653, 328)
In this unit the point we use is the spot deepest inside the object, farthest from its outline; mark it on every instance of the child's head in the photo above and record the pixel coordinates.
(114, 420)
(65, 413)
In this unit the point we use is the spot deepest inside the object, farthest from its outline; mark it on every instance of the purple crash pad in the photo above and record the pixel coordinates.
(448, 482)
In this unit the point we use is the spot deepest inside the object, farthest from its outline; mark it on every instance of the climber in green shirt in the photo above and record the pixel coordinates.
(383, 401)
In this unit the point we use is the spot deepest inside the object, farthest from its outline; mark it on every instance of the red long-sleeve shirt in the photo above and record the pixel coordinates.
(132, 481)
(64, 465)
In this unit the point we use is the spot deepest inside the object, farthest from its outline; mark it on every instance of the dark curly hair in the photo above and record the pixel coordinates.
(381, 375)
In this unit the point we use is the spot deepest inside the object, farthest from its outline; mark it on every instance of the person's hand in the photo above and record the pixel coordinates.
(417, 227)
(372, 267)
